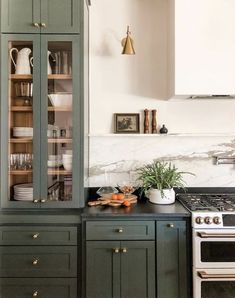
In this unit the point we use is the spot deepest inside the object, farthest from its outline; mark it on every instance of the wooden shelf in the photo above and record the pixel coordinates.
(61, 109)
(62, 140)
(21, 109)
(20, 172)
(30, 109)
(59, 172)
(21, 77)
(59, 77)
(21, 140)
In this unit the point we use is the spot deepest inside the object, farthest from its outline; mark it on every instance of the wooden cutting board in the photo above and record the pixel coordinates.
(111, 202)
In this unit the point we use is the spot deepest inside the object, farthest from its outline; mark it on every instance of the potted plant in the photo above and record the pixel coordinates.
(158, 179)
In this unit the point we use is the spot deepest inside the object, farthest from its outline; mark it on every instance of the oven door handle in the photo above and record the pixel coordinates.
(205, 275)
(215, 235)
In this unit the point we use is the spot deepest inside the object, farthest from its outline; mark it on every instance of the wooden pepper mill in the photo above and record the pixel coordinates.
(154, 121)
(146, 121)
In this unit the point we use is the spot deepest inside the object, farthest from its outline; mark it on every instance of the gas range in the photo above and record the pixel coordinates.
(210, 210)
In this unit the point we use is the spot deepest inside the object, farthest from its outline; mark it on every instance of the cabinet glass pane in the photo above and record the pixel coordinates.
(60, 122)
(20, 121)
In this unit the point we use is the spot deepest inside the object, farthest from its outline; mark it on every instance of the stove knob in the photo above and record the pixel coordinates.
(199, 220)
(217, 220)
(208, 220)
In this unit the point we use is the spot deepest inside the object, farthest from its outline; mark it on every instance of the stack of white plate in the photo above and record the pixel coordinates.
(67, 161)
(54, 161)
(22, 132)
(23, 192)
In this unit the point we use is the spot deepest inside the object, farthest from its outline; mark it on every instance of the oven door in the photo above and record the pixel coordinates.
(214, 283)
(214, 248)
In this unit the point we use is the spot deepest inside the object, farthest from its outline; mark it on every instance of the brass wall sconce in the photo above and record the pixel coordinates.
(127, 43)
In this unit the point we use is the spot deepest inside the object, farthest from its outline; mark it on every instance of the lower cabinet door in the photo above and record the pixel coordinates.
(38, 287)
(120, 269)
(103, 269)
(171, 259)
(137, 269)
(38, 261)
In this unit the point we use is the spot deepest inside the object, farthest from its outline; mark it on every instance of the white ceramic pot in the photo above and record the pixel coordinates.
(156, 197)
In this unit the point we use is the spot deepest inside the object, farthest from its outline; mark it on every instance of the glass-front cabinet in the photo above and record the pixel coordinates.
(40, 122)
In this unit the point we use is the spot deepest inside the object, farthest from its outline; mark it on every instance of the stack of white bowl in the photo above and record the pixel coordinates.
(67, 160)
(54, 161)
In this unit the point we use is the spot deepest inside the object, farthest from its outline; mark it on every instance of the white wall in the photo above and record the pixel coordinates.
(122, 83)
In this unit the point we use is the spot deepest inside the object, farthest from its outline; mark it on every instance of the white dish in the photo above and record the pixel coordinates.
(54, 163)
(61, 99)
(67, 167)
(54, 157)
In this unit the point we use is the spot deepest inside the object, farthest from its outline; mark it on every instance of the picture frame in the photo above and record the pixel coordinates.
(127, 123)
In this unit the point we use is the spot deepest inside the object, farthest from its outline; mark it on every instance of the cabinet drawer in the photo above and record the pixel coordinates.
(43, 287)
(38, 261)
(120, 230)
(38, 235)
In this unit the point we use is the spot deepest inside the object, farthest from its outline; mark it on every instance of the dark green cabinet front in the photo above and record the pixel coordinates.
(171, 251)
(38, 287)
(120, 269)
(40, 16)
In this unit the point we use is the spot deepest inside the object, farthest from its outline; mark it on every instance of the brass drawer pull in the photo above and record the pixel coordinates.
(35, 200)
(35, 236)
(124, 250)
(35, 262)
(116, 250)
(43, 200)
(35, 294)
(43, 25)
(171, 225)
(36, 25)
(120, 230)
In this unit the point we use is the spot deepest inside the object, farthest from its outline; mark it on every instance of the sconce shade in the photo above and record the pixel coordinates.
(127, 43)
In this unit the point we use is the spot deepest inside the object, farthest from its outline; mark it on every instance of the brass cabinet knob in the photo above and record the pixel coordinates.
(124, 250)
(116, 250)
(36, 25)
(171, 225)
(35, 201)
(120, 230)
(35, 236)
(43, 25)
(35, 294)
(43, 200)
(35, 262)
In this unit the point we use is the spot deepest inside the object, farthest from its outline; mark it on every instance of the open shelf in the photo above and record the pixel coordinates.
(59, 77)
(60, 140)
(141, 135)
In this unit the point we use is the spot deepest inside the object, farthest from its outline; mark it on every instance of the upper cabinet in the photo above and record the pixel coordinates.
(40, 16)
(201, 46)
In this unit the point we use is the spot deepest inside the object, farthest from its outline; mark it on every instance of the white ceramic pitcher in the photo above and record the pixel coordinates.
(22, 63)
(49, 70)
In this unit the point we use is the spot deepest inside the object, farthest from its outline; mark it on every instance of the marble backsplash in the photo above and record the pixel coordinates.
(115, 158)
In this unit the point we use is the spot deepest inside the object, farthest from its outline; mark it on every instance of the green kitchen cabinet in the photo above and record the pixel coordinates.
(41, 121)
(40, 16)
(120, 269)
(171, 251)
(38, 287)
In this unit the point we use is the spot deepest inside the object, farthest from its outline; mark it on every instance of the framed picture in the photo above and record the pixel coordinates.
(127, 123)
